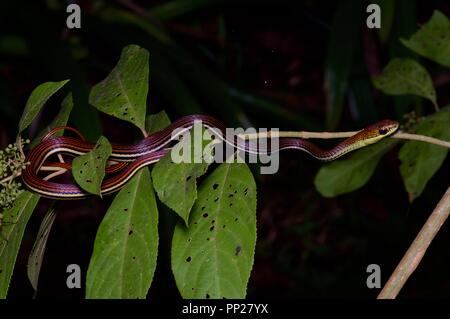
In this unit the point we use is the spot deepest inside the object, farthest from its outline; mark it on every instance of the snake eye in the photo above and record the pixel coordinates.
(382, 131)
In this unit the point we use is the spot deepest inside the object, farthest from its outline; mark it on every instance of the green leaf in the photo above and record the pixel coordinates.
(419, 160)
(38, 250)
(36, 101)
(433, 39)
(176, 183)
(406, 76)
(213, 257)
(123, 93)
(89, 169)
(157, 122)
(60, 120)
(126, 245)
(346, 175)
(15, 220)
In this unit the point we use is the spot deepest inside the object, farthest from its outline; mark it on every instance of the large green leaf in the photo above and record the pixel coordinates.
(123, 93)
(433, 39)
(176, 183)
(89, 169)
(38, 250)
(406, 76)
(36, 101)
(15, 220)
(213, 257)
(60, 120)
(346, 175)
(126, 245)
(420, 161)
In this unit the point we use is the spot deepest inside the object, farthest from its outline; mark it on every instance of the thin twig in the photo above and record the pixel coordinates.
(10, 178)
(327, 135)
(417, 250)
(421, 138)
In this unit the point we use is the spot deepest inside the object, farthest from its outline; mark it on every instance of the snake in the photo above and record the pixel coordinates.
(131, 158)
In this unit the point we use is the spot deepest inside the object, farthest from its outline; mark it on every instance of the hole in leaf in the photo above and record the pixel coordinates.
(216, 199)
(213, 221)
(215, 186)
(207, 296)
(230, 195)
(237, 250)
(236, 219)
(189, 259)
(88, 181)
(130, 232)
(212, 228)
(205, 215)
(188, 178)
(203, 208)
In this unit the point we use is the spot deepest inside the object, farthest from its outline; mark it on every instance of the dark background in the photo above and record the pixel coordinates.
(250, 63)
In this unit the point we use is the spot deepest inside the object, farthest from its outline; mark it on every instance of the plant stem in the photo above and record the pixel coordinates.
(417, 250)
(326, 135)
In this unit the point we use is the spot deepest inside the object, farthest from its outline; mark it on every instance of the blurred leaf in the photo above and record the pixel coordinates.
(37, 252)
(404, 24)
(419, 160)
(406, 76)
(15, 220)
(13, 44)
(433, 39)
(126, 245)
(387, 17)
(165, 80)
(157, 122)
(60, 120)
(36, 101)
(176, 183)
(123, 93)
(89, 169)
(346, 175)
(125, 17)
(272, 109)
(175, 8)
(213, 257)
(343, 38)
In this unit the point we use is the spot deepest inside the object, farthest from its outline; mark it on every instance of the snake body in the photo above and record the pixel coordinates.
(155, 146)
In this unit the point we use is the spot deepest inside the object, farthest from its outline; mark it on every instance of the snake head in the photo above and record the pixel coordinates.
(375, 132)
(385, 127)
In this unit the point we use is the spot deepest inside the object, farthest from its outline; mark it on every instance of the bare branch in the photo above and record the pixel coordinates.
(417, 250)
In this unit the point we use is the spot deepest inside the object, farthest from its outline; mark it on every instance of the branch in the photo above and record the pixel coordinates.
(327, 135)
(417, 250)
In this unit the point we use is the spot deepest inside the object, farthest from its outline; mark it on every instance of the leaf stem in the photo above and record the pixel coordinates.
(417, 250)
